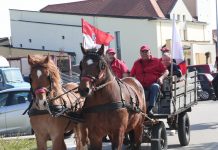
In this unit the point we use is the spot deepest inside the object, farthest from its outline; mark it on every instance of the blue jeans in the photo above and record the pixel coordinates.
(152, 94)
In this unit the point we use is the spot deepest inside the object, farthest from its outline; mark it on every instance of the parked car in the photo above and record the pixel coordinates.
(207, 91)
(13, 102)
(203, 68)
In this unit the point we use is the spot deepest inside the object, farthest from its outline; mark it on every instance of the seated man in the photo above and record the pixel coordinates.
(118, 67)
(166, 60)
(150, 72)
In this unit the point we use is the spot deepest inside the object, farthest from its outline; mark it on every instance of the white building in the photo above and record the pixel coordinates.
(133, 23)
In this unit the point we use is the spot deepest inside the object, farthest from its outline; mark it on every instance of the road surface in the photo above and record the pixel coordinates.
(204, 130)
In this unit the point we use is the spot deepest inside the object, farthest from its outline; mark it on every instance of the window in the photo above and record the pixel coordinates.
(3, 98)
(178, 17)
(118, 44)
(189, 61)
(14, 98)
(184, 18)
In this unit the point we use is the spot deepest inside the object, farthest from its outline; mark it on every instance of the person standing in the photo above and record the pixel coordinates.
(150, 72)
(118, 67)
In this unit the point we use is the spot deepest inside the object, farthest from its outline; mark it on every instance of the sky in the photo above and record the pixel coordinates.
(33, 5)
(36, 5)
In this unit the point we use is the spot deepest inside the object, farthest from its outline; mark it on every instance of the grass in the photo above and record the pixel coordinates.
(19, 144)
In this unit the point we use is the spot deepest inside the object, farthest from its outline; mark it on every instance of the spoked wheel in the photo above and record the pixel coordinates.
(159, 137)
(184, 129)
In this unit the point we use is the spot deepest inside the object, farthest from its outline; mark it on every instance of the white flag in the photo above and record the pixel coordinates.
(177, 49)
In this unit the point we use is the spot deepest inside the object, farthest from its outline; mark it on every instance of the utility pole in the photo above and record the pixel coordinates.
(216, 31)
(216, 37)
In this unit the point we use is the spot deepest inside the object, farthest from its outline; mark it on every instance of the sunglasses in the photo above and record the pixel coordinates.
(144, 51)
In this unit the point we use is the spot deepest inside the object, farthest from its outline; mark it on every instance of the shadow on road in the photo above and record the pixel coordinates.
(203, 146)
(202, 126)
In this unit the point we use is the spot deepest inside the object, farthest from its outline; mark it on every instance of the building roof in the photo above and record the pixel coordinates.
(166, 6)
(115, 8)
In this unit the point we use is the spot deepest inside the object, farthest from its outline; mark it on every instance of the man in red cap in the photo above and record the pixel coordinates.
(119, 67)
(150, 72)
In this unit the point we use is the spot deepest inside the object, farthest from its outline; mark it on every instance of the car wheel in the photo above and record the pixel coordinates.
(204, 95)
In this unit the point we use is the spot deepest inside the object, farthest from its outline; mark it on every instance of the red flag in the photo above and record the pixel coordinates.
(177, 49)
(93, 37)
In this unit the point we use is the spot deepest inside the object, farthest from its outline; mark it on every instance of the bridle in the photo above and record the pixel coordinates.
(56, 110)
(38, 90)
(100, 76)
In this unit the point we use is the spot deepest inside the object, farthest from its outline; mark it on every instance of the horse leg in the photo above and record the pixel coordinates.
(137, 135)
(58, 143)
(41, 142)
(95, 143)
(81, 137)
(117, 140)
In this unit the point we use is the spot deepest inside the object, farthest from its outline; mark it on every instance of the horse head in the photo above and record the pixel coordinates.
(94, 70)
(44, 79)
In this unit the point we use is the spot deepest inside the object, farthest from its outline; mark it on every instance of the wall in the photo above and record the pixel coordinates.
(200, 50)
(47, 29)
(17, 52)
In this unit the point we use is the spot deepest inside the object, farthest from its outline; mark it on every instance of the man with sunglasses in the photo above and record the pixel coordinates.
(150, 72)
(118, 67)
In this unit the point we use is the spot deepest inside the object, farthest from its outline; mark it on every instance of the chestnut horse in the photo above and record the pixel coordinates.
(49, 96)
(112, 107)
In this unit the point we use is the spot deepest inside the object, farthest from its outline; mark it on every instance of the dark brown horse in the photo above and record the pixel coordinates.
(112, 107)
(50, 99)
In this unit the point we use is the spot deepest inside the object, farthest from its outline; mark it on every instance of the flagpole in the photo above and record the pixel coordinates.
(172, 50)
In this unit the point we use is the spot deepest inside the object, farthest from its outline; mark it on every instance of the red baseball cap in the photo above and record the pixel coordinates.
(111, 51)
(144, 48)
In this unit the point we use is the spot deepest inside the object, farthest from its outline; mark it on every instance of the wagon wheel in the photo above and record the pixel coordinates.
(159, 137)
(184, 129)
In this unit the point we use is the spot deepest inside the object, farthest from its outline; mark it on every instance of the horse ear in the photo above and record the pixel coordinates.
(30, 60)
(101, 50)
(84, 51)
(47, 59)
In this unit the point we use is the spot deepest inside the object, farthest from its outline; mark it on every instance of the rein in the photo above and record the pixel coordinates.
(114, 105)
(55, 110)
(103, 85)
(93, 79)
(59, 110)
(59, 96)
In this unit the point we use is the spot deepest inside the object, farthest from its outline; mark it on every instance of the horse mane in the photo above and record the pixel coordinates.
(38, 61)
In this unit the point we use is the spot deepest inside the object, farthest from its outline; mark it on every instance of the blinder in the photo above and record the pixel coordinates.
(101, 65)
(96, 58)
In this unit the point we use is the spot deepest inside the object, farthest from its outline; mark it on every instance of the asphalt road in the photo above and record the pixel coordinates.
(204, 130)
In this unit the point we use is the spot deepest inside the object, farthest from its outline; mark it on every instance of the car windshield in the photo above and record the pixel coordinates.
(13, 75)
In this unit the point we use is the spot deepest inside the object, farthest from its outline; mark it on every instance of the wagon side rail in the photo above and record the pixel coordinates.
(178, 95)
